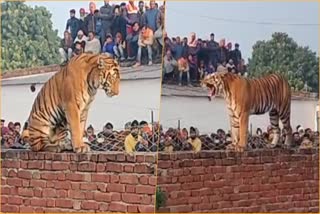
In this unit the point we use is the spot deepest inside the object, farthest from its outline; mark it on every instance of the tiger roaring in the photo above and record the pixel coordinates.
(245, 97)
(64, 101)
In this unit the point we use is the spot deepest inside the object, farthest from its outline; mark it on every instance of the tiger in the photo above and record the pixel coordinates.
(63, 102)
(245, 97)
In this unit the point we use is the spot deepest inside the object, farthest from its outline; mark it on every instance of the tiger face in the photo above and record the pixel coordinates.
(213, 83)
(110, 77)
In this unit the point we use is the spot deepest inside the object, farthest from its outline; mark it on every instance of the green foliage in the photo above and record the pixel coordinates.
(283, 55)
(28, 39)
(160, 198)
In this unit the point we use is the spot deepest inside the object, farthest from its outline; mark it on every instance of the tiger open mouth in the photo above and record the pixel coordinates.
(211, 91)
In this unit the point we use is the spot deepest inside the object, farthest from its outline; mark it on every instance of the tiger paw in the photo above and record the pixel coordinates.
(83, 148)
(239, 148)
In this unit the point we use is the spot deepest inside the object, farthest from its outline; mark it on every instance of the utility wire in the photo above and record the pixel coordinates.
(244, 21)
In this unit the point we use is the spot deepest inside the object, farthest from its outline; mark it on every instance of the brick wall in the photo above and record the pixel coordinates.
(257, 181)
(67, 182)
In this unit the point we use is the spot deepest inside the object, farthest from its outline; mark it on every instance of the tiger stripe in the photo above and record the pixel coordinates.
(245, 97)
(64, 101)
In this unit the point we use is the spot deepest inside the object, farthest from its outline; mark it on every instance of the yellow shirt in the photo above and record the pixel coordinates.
(196, 144)
(130, 143)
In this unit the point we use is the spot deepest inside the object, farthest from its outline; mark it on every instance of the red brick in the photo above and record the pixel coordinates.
(181, 209)
(62, 193)
(118, 207)
(10, 164)
(102, 197)
(89, 195)
(15, 200)
(100, 178)
(62, 185)
(49, 175)
(142, 168)
(115, 196)
(144, 180)
(114, 178)
(131, 198)
(128, 179)
(76, 194)
(10, 208)
(87, 167)
(88, 186)
(145, 190)
(5, 190)
(102, 187)
(39, 202)
(146, 209)
(129, 168)
(14, 182)
(103, 207)
(11, 173)
(27, 192)
(57, 165)
(193, 185)
(37, 183)
(130, 188)
(132, 208)
(37, 192)
(49, 193)
(150, 158)
(101, 167)
(25, 183)
(152, 181)
(24, 209)
(113, 167)
(116, 188)
(4, 199)
(89, 205)
(64, 203)
(146, 200)
(35, 164)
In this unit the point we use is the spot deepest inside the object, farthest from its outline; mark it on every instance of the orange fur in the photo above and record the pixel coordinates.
(64, 101)
(246, 97)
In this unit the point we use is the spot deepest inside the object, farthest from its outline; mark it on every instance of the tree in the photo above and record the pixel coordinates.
(28, 39)
(282, 54)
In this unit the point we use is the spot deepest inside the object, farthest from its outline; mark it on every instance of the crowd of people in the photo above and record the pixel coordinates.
(150, 137)
(184, 140)
(136, 136)
(128, 32)
(188, 60)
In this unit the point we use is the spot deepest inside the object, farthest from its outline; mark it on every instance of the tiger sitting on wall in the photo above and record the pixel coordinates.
(63, 103)
(245, 97)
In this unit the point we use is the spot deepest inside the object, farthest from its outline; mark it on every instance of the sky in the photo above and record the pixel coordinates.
(204, 18)
(60, 10)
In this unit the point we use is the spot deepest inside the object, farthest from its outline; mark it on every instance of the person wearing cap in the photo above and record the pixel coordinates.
(106, 15)
(133, 138)
(73, 24)
(82, 26)
(236, 56)
(213, 49)
(194, 140)
(107, 131)
(81, 37)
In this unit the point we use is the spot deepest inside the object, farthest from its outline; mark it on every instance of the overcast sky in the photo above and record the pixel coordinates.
(236, 21)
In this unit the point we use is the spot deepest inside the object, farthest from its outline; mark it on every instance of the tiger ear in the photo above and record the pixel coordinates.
(100, 63)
